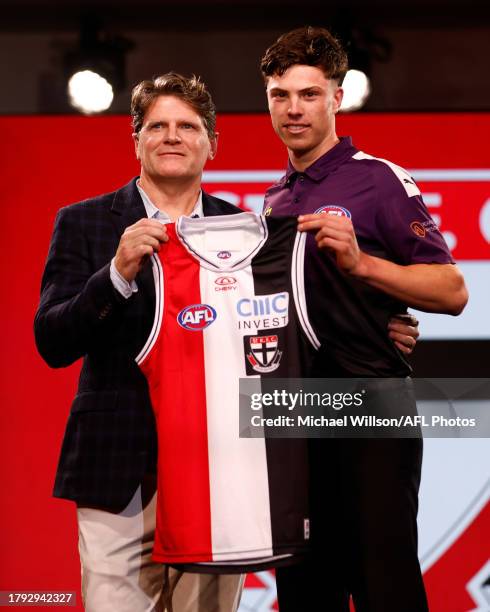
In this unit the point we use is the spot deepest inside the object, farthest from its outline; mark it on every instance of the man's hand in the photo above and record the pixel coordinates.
(138, 242)
(335, 234)
(404, 331)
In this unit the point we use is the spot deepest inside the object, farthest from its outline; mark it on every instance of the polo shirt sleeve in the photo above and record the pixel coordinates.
(402, 219)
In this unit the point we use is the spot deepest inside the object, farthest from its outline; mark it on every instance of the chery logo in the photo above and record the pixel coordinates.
(225, 281)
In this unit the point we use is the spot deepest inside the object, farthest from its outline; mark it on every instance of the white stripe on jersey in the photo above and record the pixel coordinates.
(236, 465)
(157, 321)
(298, 284)
(400, 173)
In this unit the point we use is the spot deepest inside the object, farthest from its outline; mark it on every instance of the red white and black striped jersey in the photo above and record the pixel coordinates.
(229, 304)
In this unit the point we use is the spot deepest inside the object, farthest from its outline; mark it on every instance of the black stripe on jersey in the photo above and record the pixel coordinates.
(287, 459)
(298, 282)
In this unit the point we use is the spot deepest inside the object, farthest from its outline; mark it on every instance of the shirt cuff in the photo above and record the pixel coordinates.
(121, 284)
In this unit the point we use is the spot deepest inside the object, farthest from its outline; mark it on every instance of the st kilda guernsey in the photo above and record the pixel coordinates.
(229, 304)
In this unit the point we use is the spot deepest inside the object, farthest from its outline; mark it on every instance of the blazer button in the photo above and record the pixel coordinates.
(105, 311)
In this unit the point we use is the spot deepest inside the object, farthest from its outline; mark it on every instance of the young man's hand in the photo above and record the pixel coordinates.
(336, 235)
(403, 329)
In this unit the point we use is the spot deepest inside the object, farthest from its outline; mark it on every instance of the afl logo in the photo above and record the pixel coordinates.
(331, 209)
(224, 255)
(196, 317)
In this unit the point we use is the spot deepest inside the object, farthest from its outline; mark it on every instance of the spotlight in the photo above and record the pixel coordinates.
(89, 92)
(357, 88)
(364, 47)
(95, 71)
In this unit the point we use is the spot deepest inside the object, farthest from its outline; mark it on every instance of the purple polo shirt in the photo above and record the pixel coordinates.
(390, 221)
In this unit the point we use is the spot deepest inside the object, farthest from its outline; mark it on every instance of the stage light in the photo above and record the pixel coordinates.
(95, 70)
(364, 47)
(357, 88)
(89, 92)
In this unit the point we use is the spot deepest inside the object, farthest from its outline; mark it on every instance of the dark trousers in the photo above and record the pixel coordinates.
(364, 498)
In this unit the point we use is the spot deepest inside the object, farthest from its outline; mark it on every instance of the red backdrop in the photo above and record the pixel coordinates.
(48, 162)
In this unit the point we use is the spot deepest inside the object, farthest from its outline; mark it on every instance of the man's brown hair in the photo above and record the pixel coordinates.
(308, 46)
(191, 90)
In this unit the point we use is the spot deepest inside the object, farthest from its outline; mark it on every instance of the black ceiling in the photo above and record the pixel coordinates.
(42, 15)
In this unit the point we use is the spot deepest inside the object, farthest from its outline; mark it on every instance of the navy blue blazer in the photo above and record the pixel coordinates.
(110, 440)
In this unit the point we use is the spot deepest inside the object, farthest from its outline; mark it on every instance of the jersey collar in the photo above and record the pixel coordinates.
(190, 232)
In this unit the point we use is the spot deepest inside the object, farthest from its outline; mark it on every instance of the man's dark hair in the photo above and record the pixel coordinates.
(191, 90)
(308, 46)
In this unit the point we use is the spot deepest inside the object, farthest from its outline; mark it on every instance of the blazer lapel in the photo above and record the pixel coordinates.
(128, 208)
(214, 206)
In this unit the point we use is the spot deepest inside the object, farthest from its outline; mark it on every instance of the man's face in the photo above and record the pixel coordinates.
(173, 142)
(303, 104)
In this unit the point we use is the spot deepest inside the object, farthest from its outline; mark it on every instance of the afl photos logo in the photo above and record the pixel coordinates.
(332, 209)
(196, 317)
(224, 255)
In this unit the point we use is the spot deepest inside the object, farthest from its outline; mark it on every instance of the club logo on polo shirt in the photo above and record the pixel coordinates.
(196, 317)
(262, 352)
(268, 211)
(333, 209)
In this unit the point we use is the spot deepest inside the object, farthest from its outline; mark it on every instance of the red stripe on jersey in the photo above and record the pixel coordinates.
(175, 370)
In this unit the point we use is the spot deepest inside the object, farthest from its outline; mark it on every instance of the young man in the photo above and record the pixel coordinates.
(372, 251)
(96, 303)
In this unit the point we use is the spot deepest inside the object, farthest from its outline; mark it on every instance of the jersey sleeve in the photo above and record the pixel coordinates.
(403, 220)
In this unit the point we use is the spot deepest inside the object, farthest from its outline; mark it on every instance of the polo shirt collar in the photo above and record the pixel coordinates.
(325, 164)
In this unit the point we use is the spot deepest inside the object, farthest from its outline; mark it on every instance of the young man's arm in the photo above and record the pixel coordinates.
(429, 287)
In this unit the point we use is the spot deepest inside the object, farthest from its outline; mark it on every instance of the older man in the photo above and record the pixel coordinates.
(96, 301)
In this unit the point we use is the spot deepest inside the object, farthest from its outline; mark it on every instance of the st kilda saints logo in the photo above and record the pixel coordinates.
(262, 353)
